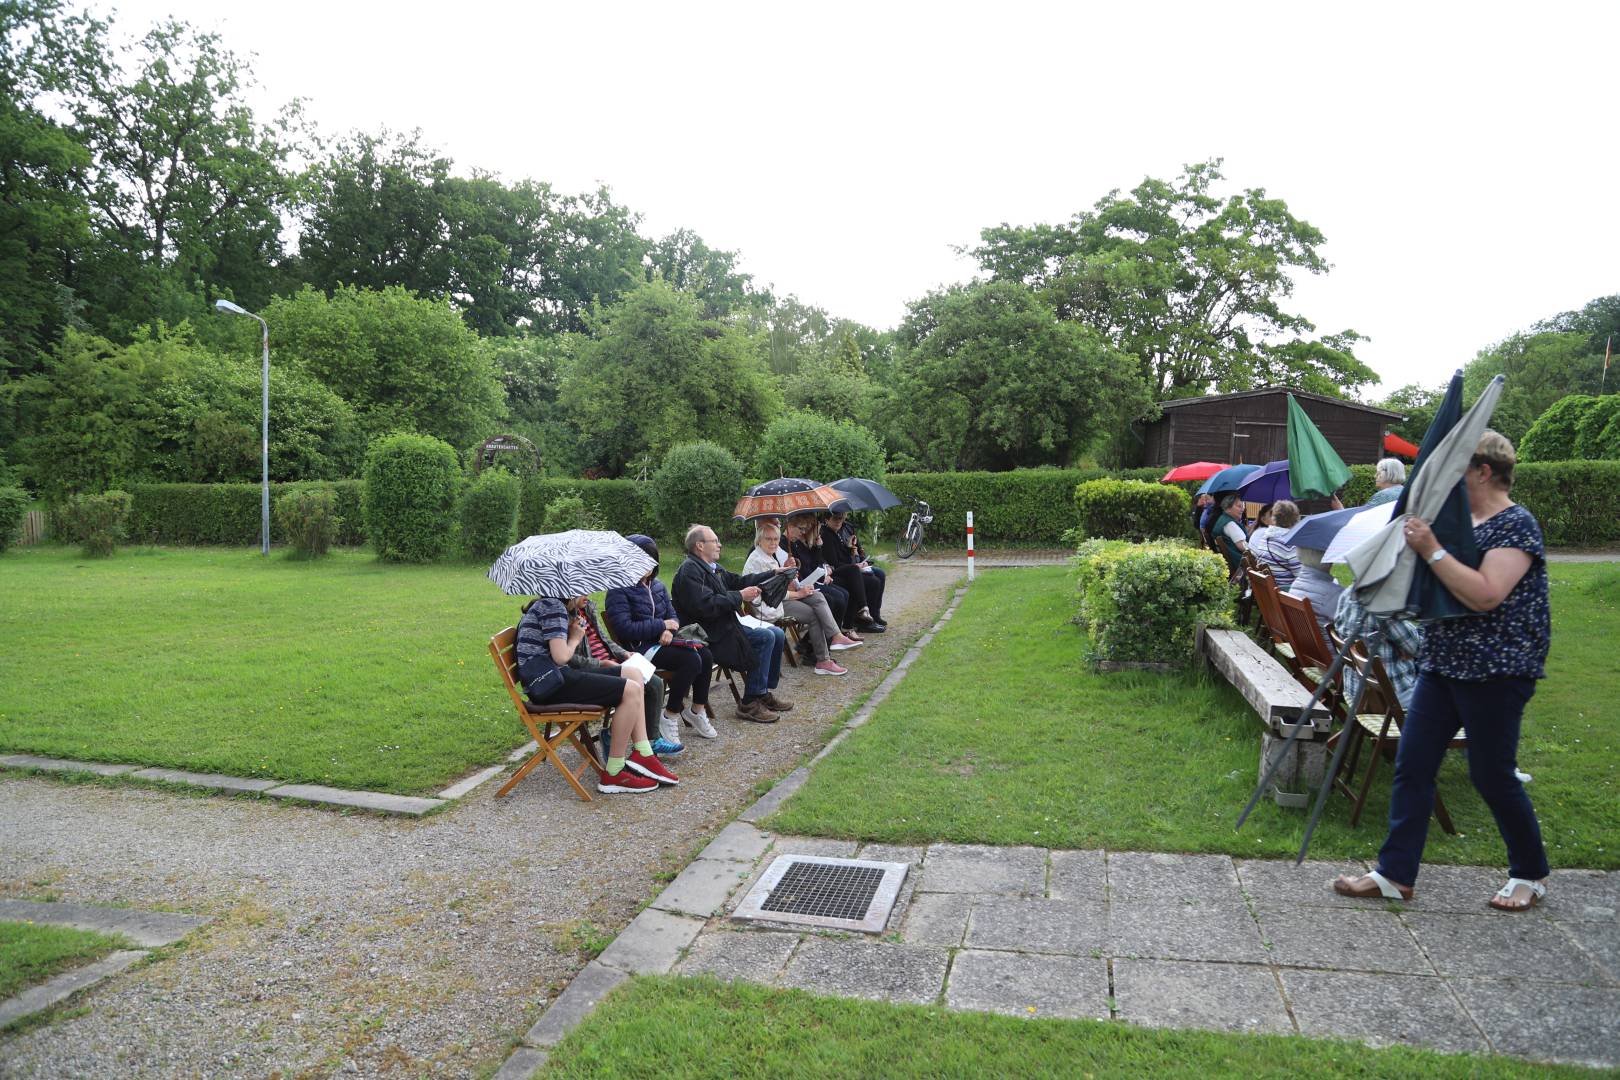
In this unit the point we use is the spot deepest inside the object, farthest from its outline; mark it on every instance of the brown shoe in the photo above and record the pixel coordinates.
(773, 702)
(756, 711)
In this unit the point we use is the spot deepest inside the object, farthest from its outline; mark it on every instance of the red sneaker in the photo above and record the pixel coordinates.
(625, 781)
(651, 768)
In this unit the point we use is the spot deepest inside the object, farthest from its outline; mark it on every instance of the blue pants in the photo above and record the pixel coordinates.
(767, 643)
(1491, 711)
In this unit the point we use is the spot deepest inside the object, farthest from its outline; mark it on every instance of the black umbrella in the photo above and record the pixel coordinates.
(866, 494)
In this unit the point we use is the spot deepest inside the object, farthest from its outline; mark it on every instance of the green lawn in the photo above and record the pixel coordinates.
(662, 1026)
(30, 953)
(1002, 734)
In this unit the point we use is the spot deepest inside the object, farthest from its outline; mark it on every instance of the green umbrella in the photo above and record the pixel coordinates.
(1314, 469)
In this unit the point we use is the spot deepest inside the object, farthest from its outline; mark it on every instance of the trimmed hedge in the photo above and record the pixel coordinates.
(489, 511)
(1575, 501)
(410, 500)
(1144, 602)
(698, 482)
(1132, 509)
(1026, 506)
(620, 505)
(188, 515)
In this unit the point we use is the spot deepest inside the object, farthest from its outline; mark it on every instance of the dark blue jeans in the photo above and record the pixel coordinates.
(767, 643)
(1491, 711)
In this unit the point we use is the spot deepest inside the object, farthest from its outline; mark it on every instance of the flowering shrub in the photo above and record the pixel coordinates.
(1145, 602)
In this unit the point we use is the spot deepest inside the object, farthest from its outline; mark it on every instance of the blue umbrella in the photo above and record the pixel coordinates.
(1268, 485)
(1227, 479)
(1318, 530)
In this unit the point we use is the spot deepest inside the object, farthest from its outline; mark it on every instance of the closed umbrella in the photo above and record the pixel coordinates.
(864, 494)
(567, 564)
(1314, 467)
(1228, 479)
(1197, 470)
(788, 495)
(1268, 485)
(1390, 579)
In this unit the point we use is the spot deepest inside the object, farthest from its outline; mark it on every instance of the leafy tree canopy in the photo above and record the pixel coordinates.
(1541, 368)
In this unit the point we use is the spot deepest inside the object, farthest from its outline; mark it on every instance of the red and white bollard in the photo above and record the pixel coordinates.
(970, 545)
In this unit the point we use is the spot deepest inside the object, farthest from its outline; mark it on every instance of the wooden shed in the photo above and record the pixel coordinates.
(1252, 426)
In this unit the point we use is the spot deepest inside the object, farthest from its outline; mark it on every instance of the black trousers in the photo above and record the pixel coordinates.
(689, 669)
(860, 587)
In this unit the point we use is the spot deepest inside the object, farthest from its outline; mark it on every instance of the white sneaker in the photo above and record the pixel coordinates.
(1524, 777)
(700, 722)
(669, 726)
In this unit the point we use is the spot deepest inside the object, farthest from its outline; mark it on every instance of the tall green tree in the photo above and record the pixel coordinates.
(711, 275)
(993, 379)
(656, 373)
(1541, 368)
(1190, 283)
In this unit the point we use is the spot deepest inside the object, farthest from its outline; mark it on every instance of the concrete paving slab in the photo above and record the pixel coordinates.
(901, 853)
(872, 970)
(1020, 984)
(47, 764)
(39, 998)
(1218, 997)
(751, 956)
(1078, 875)
(770, 802)
(980, 868)
(652, 943)
(703, 888)
(380, 801)
(1601, 942)
(595, 982)
(147, 929)
(1077, 928)
(211, 781)
(524, 1063)
(1141, 875)
(1381, 1010)
(1368, 940)
(1576, 1024)
(1582, 896)
(1277, 883)
(1503, 945)
(1463, 890)
(936, 919)
(821, 846)
(738, 841)
(1178, 931)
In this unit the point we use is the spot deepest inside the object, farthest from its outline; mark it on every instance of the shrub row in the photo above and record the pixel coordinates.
(1575, 501)
(185, 515)
(13, 506)
(1132, 510)
(1143, 603)
(1028, 506)
(619, 505)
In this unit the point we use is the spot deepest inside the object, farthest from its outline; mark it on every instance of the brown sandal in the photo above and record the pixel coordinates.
(1371, 886)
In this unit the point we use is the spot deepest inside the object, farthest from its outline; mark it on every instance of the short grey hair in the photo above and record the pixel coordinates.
(1391, 471)
(694, 535)
(1228, 499)
(766, 525)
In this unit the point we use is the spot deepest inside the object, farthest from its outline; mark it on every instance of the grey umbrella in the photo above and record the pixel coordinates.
(566, 564)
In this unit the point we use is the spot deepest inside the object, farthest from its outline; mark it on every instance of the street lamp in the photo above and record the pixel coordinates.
(264, 444)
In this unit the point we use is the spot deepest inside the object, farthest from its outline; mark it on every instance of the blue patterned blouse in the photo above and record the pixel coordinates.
(1510, 641)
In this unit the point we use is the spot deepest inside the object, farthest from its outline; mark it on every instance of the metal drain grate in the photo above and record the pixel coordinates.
(849, 894)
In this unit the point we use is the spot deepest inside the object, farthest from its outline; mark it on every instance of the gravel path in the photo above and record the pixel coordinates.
(370, 946)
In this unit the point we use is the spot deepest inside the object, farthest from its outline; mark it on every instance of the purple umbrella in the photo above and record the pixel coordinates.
(1268, 485)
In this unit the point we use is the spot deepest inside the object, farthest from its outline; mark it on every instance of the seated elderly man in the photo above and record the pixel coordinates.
(709, 595)
(803, 604)
(1390, 479)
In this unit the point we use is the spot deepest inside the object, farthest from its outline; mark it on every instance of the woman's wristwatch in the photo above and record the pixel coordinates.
(1437, 554)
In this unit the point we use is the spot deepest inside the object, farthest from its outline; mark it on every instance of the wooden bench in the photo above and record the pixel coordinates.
(1278, 700)
(552, 726)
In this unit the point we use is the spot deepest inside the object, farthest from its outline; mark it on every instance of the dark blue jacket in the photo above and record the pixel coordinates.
(635, 615)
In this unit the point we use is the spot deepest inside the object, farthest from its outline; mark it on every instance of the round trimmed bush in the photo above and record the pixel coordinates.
(698, 482)
(1552, 436)
(1132, 509)
(1145, 602)
(1592, 442)
(13, 505)
(811, 446)
(489, 513)
(410, 497)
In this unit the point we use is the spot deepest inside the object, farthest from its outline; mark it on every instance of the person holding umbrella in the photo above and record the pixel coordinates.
(1477, 671)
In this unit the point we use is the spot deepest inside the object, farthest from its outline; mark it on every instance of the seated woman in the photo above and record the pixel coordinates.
(803, 604)
(549, 636)
(806, 551)
(642, 617)
(843, 571)
(838, 534)
(1227, 531)
(1316, 584)
(1267, 546)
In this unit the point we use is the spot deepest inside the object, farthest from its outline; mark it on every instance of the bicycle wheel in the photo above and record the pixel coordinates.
(906, 544)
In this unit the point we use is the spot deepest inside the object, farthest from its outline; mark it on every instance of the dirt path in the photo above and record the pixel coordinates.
(360, 945)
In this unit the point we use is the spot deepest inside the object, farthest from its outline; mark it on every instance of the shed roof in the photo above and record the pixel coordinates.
(1177, 403)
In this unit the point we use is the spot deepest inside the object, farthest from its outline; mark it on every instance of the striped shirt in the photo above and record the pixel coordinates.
(545, 621)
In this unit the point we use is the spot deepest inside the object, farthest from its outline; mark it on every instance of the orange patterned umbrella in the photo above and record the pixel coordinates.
(788, 495)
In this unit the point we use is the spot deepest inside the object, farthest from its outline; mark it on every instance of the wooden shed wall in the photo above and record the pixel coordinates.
(1205, 431)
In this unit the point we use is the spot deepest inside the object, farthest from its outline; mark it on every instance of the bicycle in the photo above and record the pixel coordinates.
(910, 540)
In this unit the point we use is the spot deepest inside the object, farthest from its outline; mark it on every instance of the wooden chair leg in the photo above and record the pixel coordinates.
(527, 767)
(1373, 757)
(1441, 813)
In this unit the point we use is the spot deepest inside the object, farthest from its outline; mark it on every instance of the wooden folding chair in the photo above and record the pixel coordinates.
(1246, 606)
(1384, 729)
(1264, 587)
(552, 726)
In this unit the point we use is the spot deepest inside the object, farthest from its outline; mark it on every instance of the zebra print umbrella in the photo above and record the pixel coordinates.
(574, 563)
(788, 495)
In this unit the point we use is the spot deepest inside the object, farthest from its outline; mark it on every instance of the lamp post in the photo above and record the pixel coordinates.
(264, 443)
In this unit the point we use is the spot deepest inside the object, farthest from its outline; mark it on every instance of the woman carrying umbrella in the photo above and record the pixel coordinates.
(1477, 671)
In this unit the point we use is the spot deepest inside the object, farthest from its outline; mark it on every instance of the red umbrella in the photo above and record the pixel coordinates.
(1394, 444)
(1198, 470)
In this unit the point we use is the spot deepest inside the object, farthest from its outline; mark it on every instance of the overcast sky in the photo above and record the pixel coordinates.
(1460, 159)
